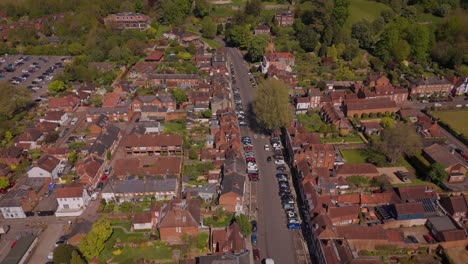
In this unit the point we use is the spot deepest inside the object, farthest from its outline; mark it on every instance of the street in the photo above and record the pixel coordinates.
(274, 239)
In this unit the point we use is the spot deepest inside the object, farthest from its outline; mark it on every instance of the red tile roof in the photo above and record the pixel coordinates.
(70, 192)
(137, 140)
(155, 56)
(409, 208)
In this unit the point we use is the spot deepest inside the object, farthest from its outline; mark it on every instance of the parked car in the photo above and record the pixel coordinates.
(253, 239)
(279, 162)
(267, 148)
(281, 168)
(278, 175)
(108, 170)
(254, 226)
(294, 226)
(429, 239)
(282, 179)
(256, 254)
(73, 121)
(269, 159)
(412, 239)
(403, 176)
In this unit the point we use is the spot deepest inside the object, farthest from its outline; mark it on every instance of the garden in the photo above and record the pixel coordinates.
(220, 218)
(455, 120)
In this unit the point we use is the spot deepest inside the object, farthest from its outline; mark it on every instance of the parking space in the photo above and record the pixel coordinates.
(389, 173)
(417, 232)
(33, 72)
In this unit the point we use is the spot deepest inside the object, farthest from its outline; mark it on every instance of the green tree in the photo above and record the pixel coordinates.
(253, 8)
(243, 221)
(208, 27)
(75, 48)
(56, 87)
(175, 11)
(397, 141)
(76, 258)
(138, 6)
(239, 36)
(419, 39)
(96, 100)
(93, 243)
(63, 253)
(202, 8)
(307, 37)
(206, 113)
(387, 122)
(363, 32)
(271, 105)
(437, 173)
(4, 182)
(108, 155)
(179, 95)
(257, 48)
(13, 99)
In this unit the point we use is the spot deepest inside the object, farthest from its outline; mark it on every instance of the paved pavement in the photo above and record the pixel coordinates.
(274, 239)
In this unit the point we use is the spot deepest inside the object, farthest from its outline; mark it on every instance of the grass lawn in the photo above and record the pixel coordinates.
(364, 9)
(456, 119)
(160, 251)
(354, 156)
(222, 11)
(213, 43)
(174, 127)
(311, 121)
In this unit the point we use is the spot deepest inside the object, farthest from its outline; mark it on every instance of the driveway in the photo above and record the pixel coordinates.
(274, 239)
(46, 243)
(389, 173)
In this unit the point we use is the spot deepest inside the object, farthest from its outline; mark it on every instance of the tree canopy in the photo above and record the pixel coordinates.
(437, 173)
(13, 99)
(4, 182)
(180, 96)
(271, 105)
(93, 243)
(243, 221)
(208, 27)
(395, 142)
(63, 253)
(56, 86)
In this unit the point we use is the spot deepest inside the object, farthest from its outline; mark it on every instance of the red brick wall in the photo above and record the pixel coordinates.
(170, 234)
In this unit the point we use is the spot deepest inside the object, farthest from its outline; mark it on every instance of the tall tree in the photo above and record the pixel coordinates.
(76, 258)
(56, 87)
(243, 221)
(202, 8)
(271, 105)
(13, 99)
(4, 182)
(253, 8)
(208, 27)
(437, 173)
(397, 141)
(362, 31)
(93, 243)
(257, 48)
(63, 253)
(239, 36)
(179, 95)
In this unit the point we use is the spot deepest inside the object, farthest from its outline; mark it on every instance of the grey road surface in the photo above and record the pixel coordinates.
(274, 239)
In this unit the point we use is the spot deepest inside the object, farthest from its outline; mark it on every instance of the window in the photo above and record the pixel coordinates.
(66, 206)
(179, 229)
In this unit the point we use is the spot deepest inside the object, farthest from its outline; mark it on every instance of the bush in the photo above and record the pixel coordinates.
(358, 180)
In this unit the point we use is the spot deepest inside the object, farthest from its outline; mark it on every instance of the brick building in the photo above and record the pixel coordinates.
(128, 21)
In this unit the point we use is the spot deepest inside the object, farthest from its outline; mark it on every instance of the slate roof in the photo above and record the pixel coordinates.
(442, 223)
(233, 182)
(151, 184)
(415, 193)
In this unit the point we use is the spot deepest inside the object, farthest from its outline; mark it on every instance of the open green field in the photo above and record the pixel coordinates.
(354, 156)
(456, 119)
(364, 9)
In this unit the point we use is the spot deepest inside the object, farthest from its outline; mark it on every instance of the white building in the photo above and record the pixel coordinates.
(59, 117)
(142, 221)
(47, 166)
(11, 208)
(461, 87)
(72, 201)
